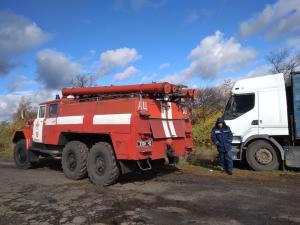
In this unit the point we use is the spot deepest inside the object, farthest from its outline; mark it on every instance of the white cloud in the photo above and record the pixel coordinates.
(120, 57)
(55, 70)
(279, 19)
(214, 53)
(175, 79)
(17, 35)
(126, 74)
(9, 102)
(164, 66)
(211, 56)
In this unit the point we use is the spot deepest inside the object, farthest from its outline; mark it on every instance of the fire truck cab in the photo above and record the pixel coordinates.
(105, 131)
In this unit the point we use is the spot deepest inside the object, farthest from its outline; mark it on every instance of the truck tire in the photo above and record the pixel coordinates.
(21, 156)
(262, 156)
(102, 165)
(74, 160)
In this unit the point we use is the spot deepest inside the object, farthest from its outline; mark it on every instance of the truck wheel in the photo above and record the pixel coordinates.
(261, 156)
(21, 155)
(74, 158)
(102, 165)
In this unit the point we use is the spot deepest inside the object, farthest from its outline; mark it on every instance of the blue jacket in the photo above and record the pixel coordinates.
(222, 138)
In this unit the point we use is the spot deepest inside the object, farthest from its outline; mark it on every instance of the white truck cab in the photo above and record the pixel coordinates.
(261, 117)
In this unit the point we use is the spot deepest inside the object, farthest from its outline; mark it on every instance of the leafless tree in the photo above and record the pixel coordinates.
(83, 80)
(24, 112)
(211, 100)
(284, 62)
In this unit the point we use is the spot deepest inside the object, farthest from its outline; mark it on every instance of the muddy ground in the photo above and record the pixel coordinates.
(191, 195)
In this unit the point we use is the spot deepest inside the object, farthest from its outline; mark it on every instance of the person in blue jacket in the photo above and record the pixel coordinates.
(221, 136)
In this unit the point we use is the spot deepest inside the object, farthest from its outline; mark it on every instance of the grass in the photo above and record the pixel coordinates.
(7, 154)
(203, 161)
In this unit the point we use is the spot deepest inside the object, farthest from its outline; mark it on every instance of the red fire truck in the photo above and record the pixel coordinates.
(105, 131)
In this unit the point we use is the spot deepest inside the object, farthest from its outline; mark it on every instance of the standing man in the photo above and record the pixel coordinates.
(221, 136)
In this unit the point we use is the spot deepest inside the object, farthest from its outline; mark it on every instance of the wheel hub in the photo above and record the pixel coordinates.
(264, 156)
(72, 162)
(100, 165)
(22, 156)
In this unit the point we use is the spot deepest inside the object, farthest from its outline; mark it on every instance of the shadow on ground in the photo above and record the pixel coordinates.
(142, 176)
(48, 162)
(138, 176)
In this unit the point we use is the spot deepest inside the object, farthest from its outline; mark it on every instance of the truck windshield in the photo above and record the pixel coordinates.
(237, 105)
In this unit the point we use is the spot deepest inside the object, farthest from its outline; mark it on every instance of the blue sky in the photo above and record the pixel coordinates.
(197, 43)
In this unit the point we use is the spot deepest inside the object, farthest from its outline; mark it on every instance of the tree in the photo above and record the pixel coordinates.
(207, 108)
(25, 112)
(284, 62)
(81, 80)
(211, 100)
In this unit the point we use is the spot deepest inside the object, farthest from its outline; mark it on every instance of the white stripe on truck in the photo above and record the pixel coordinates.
(108, 119)
(64, 120)
(164, 121)
(171, 124)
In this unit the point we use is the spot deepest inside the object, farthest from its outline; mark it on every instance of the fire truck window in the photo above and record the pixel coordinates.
(42, 111)
(53, 110)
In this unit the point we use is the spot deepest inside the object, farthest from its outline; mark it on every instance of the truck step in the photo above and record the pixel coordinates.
(144, 167)
(47, 151)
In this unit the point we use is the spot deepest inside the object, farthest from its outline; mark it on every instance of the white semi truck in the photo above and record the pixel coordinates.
(264, 116)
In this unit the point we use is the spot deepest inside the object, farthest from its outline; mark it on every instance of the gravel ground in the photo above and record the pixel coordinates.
(192, 195)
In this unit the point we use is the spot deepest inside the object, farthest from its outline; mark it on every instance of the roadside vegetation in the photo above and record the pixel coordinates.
(24, 113)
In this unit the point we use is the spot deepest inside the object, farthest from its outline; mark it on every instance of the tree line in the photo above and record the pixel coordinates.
(210, 104)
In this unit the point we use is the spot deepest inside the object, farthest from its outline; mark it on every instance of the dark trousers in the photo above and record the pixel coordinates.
(226, 160)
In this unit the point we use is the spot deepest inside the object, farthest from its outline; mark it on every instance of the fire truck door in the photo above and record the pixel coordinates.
(38, 125)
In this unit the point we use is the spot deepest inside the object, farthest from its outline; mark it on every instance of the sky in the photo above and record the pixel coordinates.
(45, 44)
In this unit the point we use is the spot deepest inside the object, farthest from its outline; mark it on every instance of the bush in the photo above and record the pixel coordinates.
(6, 132)
(202, 129)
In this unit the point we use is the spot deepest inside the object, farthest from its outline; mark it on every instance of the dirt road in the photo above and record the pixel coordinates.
(44, 196)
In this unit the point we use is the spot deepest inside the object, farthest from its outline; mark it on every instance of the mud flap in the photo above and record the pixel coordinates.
(292, 157)
(128, 166)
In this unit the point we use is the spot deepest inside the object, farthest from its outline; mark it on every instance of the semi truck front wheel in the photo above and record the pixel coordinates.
(102, 165)
(74, 158)
(261, 156)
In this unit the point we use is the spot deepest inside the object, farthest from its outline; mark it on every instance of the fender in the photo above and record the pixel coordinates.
(267, 138)
(25, 134)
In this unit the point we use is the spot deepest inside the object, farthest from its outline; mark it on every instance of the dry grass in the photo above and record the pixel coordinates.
(203, 161)
(7, 154)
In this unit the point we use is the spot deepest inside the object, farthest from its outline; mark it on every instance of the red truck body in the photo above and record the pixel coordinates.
(141, 122)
